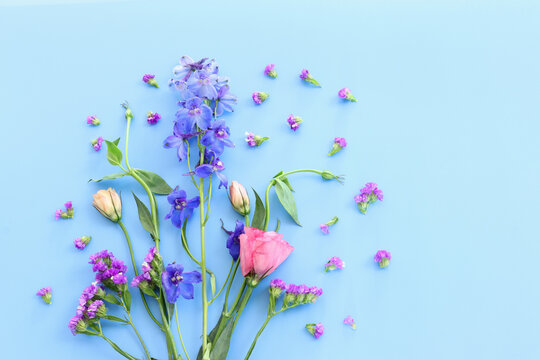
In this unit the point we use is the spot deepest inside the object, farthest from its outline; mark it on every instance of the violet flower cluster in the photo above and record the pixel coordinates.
(334, 263)
(45, 294)
(255, 140)
(97, 143)
(269, 71)
(80, 243)
(294, 122)
(109, 270)
(92, 120)
(325, 228)
(65, 214)
(350, 321)
(339, 143)
(150, 80)
(317, 330)
(383, 257)
(149, 279)
(307, 77)
(91, 308)
(346, 94)
(294, 294)
(369, 194)
(152, 118)
(259, 97)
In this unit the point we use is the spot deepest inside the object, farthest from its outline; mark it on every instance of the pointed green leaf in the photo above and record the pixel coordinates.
(114, 155)
(115, 142)
(286, 199)
(211, 336)
(108, 177)
(221, 347)
(260, 213)
(286, 181)
(155, 182)
(126, 296)
(144, 216)
(149, 292)
(112, 299)
(115, 318)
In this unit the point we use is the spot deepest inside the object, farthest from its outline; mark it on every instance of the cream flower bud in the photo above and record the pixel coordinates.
(109, 204)
(239, 198)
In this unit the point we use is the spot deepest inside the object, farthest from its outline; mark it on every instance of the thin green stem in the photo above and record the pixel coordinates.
(136, 332)
(245, 299)
(179, 333)
(203, 270)
(127, 143)
(114, 346)
(224, 283)
(208, 198)
(257, 336)
(189, 166)
(238, 296)
(171, 345)
(246, 218)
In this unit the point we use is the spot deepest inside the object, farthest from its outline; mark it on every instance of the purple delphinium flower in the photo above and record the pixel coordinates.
(150, 80)
(181, 133)
(350, 321)
(325, 227)
(383, 257)
(233, 241)
(176, 282)
(215, 167)
(187, 67)
(269, 71)
(339, 143)
(255, 140)
(346, 94)
(217, 137)
(181, 207)
(195, 111)
(317, 330)
(92, 120)
(96, 143)
(45, 294)
(306, 76)
(333, 264)
(67, 214)
(259, 97)
(225, 100)
(152, 118)
(369, 194)
(203, 83)
(80, 243)
(294, 122)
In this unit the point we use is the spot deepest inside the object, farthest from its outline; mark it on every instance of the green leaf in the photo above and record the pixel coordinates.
(126, 295)
(115, 142)
(221, 347)
(115, 318)
(258, 216)
(284, 179)
(112, 299)
(114, 155)
(108, 177)
(149, 292)
(211, 336)
(155, 182)
(144, 216)
(213, 284)
(286, 199)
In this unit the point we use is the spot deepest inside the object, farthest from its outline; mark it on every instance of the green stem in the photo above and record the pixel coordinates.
(186, 248)
(114, 346)
(208, 198)
(179, 333)
(257, 336)
(171, 345)
(189, 166)
(153, 206)
(203, 270)
(246, 218)
(245, 299)
(224, 283)
(136, 332)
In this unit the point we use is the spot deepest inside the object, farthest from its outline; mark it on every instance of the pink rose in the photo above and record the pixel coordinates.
(261, 252)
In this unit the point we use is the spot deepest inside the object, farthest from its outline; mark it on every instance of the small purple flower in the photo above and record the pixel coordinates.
(45, 294)
(225, 100)
(80, 243)
(152, 118)
(67, 214)
(269, 71)
(77, 324)
(346, 94)
(383, 257)
(255, 140)
(217, 137)
(306, 76)
(339, 143)
(215, 167)
(259, 97)
(350, 321)
(277, 286)
(96, 308)
(233, 241)
(317, 330)
(294, 122)
(325, 227)
(96, 143)
(150, 80)
(369, 194)
(181, 207)
(194, 111)
(187, 67)
(333, 264)
(92, 120)
(109, 270)
(203, 84)
(176, 282)
(181, 133)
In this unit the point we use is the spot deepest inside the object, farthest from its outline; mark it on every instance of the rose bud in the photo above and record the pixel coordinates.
(239, 198)
(109, 204)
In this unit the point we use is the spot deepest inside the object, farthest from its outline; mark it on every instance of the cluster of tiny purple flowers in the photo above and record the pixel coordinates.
(369, 194)
(97, 143)
(65, 214)
(92, 120)
(334, 263)
(45, 294)
(82, 242)
(91, 308)
(148, 280)
(294, 294)
(152, 118)
(109, 270)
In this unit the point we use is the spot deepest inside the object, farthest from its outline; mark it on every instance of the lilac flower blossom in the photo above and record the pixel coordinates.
(150, 80)
(109, 270)
(333, 264)
(92, 120)
(91, 307)
(176, 282)
(202, 84)
(306, 76)
(67, 214)
(269, 71)
(181, 207)
(187, 67)
(96, 309)
(217, 137)
(325, 227)
(350, 321)
(96, 143)
(80, 243)
(45, 294)
(225, 100)
(369, 194)
(339, 143)
(179, 138)
(255, 140)
(149, 279)
(195, 111)
(215, 167)
(294, 122)
(346, 94)
(152, 118)
(300, 294)
(317, 330)
(233, 241)
(383, 257)
(259, 97)
(77, 324)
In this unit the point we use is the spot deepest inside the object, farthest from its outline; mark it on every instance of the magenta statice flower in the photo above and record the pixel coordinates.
(176, 282)
(152, 118)
(92, 120)
(277, 286)
(294, 121)
(97, 143)
(259, 97)
(45, 294)
(350, 321)
(80, 243)
(346, 94)
(339, 143)
(150, 80)
(382, 257)
(325, 228)
(299, 294)
(369, 194)
(317, 330)
(181, 207)
(96, 309)
(109, 270)
(65, 214)
(269, 71)
(255, 140)
(77, 324)
(306, 76)
(149, 279)
(333, 264)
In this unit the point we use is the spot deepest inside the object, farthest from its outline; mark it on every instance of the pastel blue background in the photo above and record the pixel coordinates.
(447, 124)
